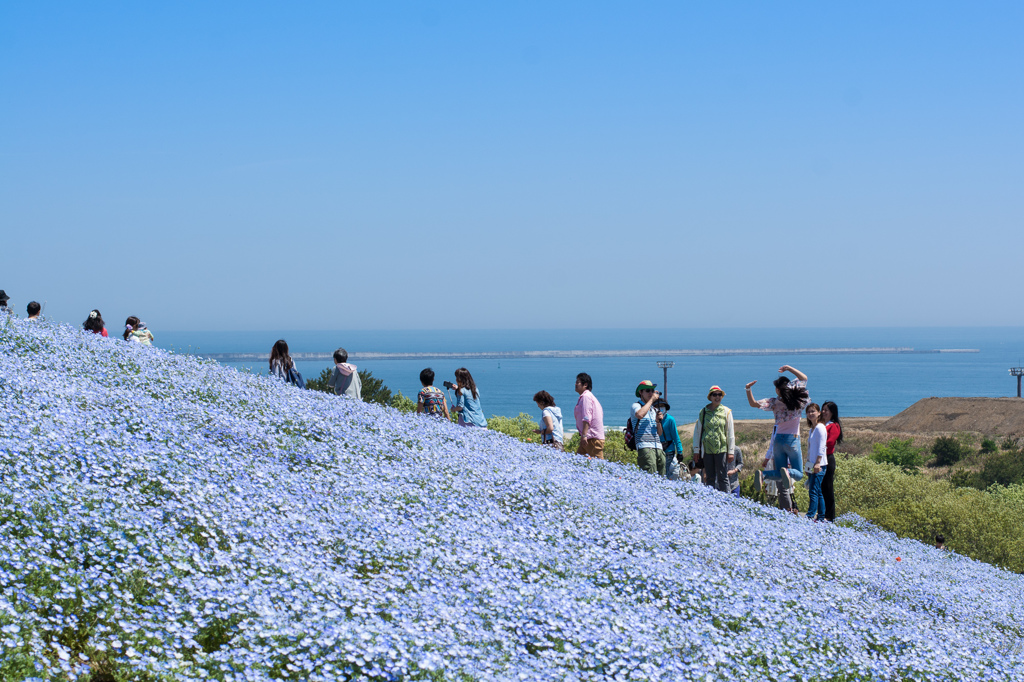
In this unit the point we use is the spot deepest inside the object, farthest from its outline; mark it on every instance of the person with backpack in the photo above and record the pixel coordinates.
(647, 429)
(714, 437)
(670, 442)
(282, 366)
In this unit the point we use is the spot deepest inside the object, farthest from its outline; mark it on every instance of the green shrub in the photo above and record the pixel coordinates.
(985, 525)
(901, 453)
(403, 404)
(1005, 468)
(373, 389)
(521, 427)
(948, 451)
(320, 383)
(614, 447)
(988, 446)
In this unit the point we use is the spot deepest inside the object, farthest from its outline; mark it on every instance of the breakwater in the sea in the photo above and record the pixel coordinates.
(637, 353)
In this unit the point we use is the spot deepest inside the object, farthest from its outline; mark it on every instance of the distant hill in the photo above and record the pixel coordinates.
(989, 416)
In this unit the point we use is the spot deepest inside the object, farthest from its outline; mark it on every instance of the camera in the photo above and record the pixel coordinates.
(448, 384)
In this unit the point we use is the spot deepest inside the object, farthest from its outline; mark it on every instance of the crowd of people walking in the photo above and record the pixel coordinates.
(651, 430)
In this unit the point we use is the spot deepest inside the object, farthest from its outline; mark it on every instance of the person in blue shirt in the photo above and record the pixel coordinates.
(669, 440)
(467, 400)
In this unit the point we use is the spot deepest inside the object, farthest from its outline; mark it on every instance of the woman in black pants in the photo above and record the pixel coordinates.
(834, 429)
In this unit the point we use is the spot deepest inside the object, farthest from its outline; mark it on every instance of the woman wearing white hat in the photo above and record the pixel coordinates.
(714, 438)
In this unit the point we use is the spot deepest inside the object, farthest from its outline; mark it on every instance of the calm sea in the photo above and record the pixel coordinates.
(862, 385)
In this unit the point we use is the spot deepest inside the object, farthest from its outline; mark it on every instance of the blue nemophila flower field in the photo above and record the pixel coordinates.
(164, 517)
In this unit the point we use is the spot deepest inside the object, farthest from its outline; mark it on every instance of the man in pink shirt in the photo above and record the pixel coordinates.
(589, 419)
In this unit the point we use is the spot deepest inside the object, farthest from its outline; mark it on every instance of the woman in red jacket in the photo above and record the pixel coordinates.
(834, 429)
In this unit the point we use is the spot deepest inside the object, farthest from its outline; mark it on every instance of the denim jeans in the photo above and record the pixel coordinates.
(816, 507)
(786, 451)
(671, 466)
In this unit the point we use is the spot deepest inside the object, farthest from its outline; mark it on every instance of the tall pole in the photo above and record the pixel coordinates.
(665, 365)
(1017, 372)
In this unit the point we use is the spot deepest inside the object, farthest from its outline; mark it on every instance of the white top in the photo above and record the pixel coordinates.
(816, 447)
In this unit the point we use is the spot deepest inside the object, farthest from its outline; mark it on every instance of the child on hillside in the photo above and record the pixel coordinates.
(694, 473)
(345, 379)
(135, 330)
(431, 400)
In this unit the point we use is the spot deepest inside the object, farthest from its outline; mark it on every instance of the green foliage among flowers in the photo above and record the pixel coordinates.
(898, 452)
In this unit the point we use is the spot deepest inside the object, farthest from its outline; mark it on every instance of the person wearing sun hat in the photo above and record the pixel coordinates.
(714, 438)
(648, 429)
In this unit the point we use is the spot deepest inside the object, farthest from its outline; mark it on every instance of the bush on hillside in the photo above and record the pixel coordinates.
(988, 446)
(948, 451)
(1005, 468)
(614, 447)
(984, 525)
(402, 403)
(521, 427)
(901, 453)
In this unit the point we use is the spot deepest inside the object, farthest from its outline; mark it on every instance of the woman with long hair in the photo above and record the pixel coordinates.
(94, 323)
(834, 428)
(467, 400)
(817, 462)
(280, 361)
(791, 398)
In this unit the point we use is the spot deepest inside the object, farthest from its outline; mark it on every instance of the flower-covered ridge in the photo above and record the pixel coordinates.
(165, 517)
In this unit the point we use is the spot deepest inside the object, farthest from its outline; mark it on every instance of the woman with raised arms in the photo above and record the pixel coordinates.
(789, 401)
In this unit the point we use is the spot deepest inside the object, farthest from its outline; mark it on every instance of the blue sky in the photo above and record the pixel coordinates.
(475, 165)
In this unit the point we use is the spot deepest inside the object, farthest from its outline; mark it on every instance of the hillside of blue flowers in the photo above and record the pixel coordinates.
(166, 518)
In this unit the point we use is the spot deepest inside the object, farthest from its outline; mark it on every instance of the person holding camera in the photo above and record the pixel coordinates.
(648, 429)
(467, 399)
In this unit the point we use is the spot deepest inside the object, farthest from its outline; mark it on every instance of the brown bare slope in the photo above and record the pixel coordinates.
(988, 416)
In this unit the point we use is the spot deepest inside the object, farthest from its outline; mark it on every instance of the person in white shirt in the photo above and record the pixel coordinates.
(817, 463)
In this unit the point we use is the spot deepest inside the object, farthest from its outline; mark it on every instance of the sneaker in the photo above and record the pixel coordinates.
(758, 481)
(787, 482)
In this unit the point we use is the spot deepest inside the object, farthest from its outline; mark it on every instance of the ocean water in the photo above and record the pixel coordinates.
(862, 385)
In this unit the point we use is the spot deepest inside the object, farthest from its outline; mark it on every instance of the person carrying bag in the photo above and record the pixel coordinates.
(713, 439)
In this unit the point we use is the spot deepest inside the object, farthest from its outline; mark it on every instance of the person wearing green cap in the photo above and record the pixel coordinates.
(648, 429)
